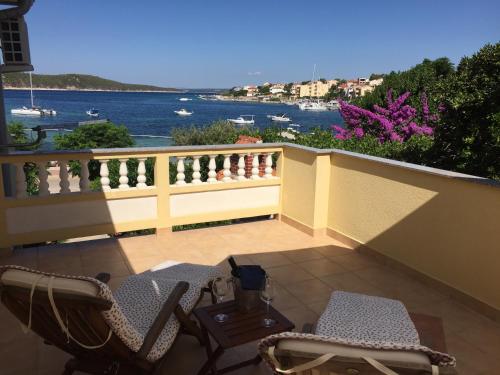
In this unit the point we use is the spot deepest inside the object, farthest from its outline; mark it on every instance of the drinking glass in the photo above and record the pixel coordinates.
(267, 295)
(220, 287)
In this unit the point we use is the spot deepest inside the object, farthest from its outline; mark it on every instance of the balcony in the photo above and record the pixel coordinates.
(340, 221)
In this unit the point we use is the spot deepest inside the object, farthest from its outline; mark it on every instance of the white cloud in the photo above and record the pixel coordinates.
(254, 73)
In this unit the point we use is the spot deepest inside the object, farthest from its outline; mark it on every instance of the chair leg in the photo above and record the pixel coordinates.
(190, 326)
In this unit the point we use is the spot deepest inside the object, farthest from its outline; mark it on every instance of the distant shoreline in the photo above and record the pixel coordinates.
(92, 90)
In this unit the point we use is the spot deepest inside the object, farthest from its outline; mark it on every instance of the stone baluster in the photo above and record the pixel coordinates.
(21, 185)
(43, 175)
(141, 174)
(123, 175)
(196, 170)
(84, 176)
(104, 173)
(227, 169)
(269, 166)
(255, 167)
(211, 170)
(180, 171)
(63, 177)
(241, 168)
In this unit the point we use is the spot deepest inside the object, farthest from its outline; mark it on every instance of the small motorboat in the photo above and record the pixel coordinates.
(280, 117)
(93, 112)
(185, 99)
(183, 112)
(243, 120)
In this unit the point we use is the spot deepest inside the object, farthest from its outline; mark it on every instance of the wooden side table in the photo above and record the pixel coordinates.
(241, 328)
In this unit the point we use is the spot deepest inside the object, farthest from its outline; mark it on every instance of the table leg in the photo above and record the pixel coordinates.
(209, 366)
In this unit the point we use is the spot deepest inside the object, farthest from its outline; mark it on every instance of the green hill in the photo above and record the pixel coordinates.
(74, 82)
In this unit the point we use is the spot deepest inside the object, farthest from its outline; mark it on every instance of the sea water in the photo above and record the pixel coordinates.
(150, 117)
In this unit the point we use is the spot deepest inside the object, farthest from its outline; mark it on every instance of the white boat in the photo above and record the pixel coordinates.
(33, 111)
(312, 106)
(183, 112)
(333, 105)
(242, 120)
(93, 112)
(185, 99)
(280, 117)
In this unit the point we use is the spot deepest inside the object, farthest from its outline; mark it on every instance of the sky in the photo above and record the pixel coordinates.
(224, 43)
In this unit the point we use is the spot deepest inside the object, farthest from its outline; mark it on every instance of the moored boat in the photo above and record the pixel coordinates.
(183, 112)
(243, 120)
(93, 112)
(33, 110)
(280, 117)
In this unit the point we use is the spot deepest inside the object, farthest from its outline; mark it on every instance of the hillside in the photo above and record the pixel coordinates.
(74, 82)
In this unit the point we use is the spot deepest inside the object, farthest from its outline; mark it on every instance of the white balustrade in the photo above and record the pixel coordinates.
(255, 167)
(63, 177)
(268, 172)
(123, 175)
(196, 170)
(141, 174)
(241, 168)
(180, 171)
(227, 169)
(104, 173)
(84, 176)
(21, 185)
(212, 174)
(43, 175)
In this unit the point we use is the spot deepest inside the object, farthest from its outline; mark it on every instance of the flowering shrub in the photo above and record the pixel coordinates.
(396, 123)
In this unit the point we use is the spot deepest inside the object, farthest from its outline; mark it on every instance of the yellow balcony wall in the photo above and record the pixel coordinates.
(436, 222)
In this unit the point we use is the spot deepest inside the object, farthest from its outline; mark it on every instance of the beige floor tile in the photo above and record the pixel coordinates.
(300, 315)
(288, 274)
(303, 255)
(334, 250)
(310, 291)
(321, 267)
(284, 299)
(349, 282)
(269, 259)
(470, 360)
(355, 261)
(19, 356)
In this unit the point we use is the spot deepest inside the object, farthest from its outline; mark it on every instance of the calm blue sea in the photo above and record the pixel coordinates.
(150, 116)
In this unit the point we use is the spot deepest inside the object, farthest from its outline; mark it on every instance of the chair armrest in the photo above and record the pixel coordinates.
(162, 318)
(103, 277)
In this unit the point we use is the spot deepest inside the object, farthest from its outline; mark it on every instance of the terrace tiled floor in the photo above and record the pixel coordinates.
(307, 270)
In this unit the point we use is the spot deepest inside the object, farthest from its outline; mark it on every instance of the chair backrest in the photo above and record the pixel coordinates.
(347, 360)
(78, 303)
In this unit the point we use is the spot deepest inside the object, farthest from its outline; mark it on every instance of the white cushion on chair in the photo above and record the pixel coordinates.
(141, 298)
(26, 279)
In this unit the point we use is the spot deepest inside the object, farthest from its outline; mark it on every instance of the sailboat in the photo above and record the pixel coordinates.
(310, 105)
(33, 111)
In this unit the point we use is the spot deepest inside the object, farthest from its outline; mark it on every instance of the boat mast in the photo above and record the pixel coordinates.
(31, 91)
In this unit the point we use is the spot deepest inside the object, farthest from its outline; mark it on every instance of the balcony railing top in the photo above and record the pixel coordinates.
(18, 156)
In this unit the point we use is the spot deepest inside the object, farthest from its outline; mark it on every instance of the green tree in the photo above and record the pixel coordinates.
(423, 77)
(264, 90)
(17, 133)
(107, 135)
(468, 138)
(376, 76)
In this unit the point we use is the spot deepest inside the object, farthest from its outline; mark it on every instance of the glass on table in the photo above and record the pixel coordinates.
(220, 288)
(267, 295)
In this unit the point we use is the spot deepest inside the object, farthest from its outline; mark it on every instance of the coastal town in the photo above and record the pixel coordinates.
(321, 89)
